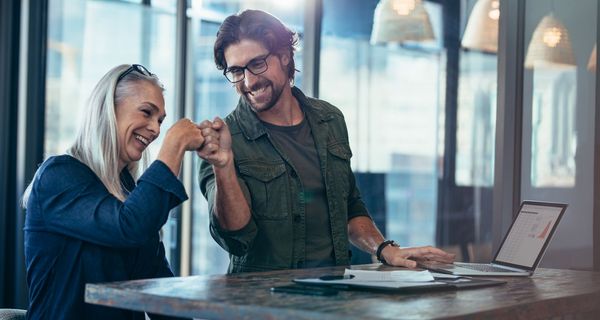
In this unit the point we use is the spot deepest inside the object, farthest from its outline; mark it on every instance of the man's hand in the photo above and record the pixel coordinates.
(408, 257)
(216, 149)
(231, 208)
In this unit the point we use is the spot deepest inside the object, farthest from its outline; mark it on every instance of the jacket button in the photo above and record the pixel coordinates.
(294, 174)
(297, 218)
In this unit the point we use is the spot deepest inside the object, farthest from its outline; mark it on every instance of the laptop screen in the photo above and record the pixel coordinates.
(530, 234)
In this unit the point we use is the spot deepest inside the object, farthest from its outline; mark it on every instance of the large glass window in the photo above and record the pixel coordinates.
(558, 121)
(398, 100)
(392, 117)
(88, 38)
(474, 172)
(214, 96)
(476, 125)
(468, 215)
(392, 124)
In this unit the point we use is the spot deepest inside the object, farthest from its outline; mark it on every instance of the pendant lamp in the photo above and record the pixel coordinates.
(550, 46)
(398, 21)
(481, 33)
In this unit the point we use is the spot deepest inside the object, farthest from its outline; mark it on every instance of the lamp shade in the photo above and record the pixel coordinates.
(401, 21)
(592, 63)
(550, 45)
(481, 32)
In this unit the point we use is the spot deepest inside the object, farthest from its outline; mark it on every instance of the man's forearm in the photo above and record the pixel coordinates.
(364, 234)
(231, 208)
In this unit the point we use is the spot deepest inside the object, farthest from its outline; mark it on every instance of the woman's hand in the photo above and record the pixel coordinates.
(183, 136)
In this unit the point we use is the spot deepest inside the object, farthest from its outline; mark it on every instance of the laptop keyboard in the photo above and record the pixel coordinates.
(485, 268)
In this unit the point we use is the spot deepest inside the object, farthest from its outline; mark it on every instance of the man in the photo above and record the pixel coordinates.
(277, 175)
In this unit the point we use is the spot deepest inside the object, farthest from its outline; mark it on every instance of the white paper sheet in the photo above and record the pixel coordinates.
(397, 275)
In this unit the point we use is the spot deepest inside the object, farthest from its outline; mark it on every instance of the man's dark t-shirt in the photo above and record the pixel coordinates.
(297, 143)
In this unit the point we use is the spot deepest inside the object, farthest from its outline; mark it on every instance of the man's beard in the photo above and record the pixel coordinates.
(275, 95)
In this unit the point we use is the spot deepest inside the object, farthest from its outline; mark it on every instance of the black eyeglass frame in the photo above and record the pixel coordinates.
(137, 68)
(247, 67)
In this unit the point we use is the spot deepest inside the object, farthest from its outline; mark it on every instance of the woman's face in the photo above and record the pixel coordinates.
(139, 117)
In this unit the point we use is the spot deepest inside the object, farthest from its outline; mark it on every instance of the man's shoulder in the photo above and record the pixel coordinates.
(324, 108)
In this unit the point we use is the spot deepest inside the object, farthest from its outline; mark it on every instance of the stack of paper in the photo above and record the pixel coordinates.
(397, 275)
(379, 280)
(395, 281)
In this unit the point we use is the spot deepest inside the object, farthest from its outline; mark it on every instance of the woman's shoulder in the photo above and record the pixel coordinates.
(62, 158)
(63, 166)
(60, 161)
(59, 174)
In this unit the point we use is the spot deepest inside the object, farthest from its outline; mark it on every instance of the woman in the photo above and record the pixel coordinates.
(88, 220)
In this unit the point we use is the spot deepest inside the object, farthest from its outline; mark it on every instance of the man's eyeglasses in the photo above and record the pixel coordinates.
(256, 66)
(137, 68)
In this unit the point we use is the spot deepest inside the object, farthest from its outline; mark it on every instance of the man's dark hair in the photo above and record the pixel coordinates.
(258, 26)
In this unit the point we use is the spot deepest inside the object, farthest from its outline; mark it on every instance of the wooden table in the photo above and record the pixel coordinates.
(549, 293)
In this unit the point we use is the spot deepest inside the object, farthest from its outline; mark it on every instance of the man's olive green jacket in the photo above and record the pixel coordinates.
(275, 236)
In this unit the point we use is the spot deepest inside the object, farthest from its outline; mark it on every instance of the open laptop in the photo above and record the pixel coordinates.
(522, 248)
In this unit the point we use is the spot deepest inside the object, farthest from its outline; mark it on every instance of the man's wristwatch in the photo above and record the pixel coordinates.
(383, 245)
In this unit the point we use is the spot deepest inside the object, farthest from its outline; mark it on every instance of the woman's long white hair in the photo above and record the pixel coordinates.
(97, 143)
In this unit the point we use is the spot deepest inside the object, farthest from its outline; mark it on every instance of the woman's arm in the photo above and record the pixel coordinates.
(70, 200)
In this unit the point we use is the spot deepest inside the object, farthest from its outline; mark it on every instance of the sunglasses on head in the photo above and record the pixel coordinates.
(137, 68)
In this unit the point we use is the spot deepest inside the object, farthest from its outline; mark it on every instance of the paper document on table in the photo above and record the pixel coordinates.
(440, 276)
(404, 281)
(397, 275)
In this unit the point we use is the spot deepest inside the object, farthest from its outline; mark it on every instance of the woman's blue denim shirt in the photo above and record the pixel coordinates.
(76, 232)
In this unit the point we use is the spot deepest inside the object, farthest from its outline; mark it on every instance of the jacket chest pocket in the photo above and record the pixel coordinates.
(268, 188)
(339, 165)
